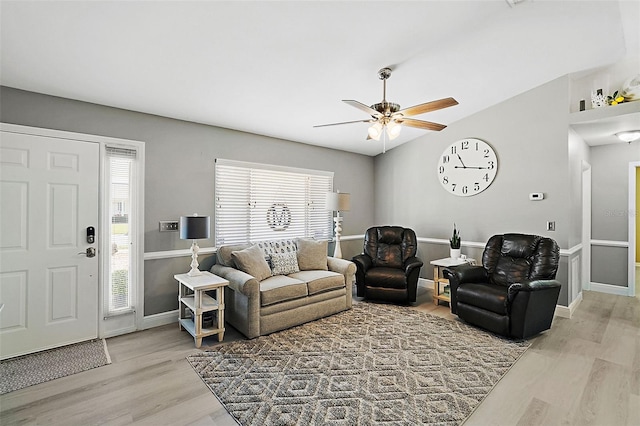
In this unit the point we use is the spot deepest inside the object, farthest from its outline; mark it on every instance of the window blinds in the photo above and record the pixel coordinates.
(262, 202)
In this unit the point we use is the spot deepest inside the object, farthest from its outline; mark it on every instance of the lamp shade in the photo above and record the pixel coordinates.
(338, 201)
(194, 227)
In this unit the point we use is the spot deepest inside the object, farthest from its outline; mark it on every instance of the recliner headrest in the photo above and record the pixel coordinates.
(390, 234)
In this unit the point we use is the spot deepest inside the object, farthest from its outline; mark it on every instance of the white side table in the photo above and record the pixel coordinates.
(191, 294)
(439, 281)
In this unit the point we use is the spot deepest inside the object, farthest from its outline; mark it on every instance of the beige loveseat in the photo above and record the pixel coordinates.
(274, 285)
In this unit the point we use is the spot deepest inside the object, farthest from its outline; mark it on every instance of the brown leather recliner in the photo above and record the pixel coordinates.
(514, 293)
(388, 269)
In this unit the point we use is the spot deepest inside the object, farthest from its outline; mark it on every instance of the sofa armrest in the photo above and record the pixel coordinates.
(341, 266)
(238, 281)
(346, 268)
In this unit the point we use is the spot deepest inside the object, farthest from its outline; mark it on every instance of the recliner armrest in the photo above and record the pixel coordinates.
(537, 285)
(531, 285)
(362, 261)
(411, 264)
(466, 274)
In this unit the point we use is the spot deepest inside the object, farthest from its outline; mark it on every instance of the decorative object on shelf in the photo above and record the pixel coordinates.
(338, 202)
(467, 167)
(194, 228)
(629, 135)
(598, 99)
(454, 242)
(582, 105)
(631, 89)
(615, 99)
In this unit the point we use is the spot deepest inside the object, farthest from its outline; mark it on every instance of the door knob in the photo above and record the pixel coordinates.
(91, 252)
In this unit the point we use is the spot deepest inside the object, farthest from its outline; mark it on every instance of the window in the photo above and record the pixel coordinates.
(263, 202)
(120, 187)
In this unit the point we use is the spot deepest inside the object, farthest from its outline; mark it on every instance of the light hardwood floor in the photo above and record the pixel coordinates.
(584, 371)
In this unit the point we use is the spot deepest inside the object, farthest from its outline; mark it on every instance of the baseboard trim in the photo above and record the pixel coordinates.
(609, 289)
(157, 320)
(118, 332)
(567, 311)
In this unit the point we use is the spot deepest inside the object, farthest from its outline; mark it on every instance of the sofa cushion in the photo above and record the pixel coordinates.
(277, 246)
(281, 288)
(284, 263)
(319, 281)
(251, 260)
(223, 254)
(312, 255)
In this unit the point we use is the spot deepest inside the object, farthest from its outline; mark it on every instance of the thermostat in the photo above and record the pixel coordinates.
(536, 196)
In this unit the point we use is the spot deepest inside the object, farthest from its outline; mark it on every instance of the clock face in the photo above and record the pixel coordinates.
(467, 167)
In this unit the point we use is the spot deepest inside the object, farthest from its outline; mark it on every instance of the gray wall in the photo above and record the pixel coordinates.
(529, 134)
(180, 169)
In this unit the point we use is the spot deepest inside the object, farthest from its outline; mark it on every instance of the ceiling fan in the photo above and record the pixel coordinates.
(389, 116)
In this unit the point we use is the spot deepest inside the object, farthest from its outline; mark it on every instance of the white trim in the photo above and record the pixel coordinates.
(609, 243)
(61, 134)
(631, 220)
(609, 289)
(157, 320)
(250, 165)
(567, 312)
(351, 237)
(168, 254)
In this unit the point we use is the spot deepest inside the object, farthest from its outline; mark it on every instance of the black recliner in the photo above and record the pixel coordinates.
(388, 269)
(514, 293)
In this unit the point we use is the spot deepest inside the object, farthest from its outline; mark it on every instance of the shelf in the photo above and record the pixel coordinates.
(189, 325)
(208, 303)
(606, 112)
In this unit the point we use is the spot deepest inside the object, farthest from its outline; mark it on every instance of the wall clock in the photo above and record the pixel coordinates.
(467, 167)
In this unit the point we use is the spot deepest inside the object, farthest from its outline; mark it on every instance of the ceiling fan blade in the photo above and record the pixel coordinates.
(362, 107)
(428, 106)
(420, 124)
(344, 122)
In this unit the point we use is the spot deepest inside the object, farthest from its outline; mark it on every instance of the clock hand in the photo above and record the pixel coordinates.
(468, 167)
(461, 162)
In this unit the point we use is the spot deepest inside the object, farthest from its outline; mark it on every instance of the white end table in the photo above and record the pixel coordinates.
(191, 294)
(438, 280)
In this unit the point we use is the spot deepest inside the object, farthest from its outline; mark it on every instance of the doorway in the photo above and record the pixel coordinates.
(586, 226)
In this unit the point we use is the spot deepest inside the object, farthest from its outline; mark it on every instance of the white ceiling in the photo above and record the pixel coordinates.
(279, 68)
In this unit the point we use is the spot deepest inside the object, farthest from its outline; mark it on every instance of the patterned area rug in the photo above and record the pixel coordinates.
(29, 370)
(374, 364)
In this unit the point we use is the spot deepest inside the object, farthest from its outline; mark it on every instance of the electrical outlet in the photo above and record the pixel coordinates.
(168, 226)
(551, 226)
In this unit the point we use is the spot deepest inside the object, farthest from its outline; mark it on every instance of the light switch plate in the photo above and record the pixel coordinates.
(551, 226)
(168, 226)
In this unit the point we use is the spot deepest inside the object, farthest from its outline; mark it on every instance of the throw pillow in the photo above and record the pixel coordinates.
(251, 260)
(284, 263)
(312, 255)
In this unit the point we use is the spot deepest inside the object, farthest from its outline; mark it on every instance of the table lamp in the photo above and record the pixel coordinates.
(338, 202)
(194, 228)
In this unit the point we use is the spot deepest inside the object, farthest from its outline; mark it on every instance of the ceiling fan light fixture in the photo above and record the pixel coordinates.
(393, 129)
(375, 131)
(629, 135)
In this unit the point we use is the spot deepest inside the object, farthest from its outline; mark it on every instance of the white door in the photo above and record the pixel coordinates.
(48, 284)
